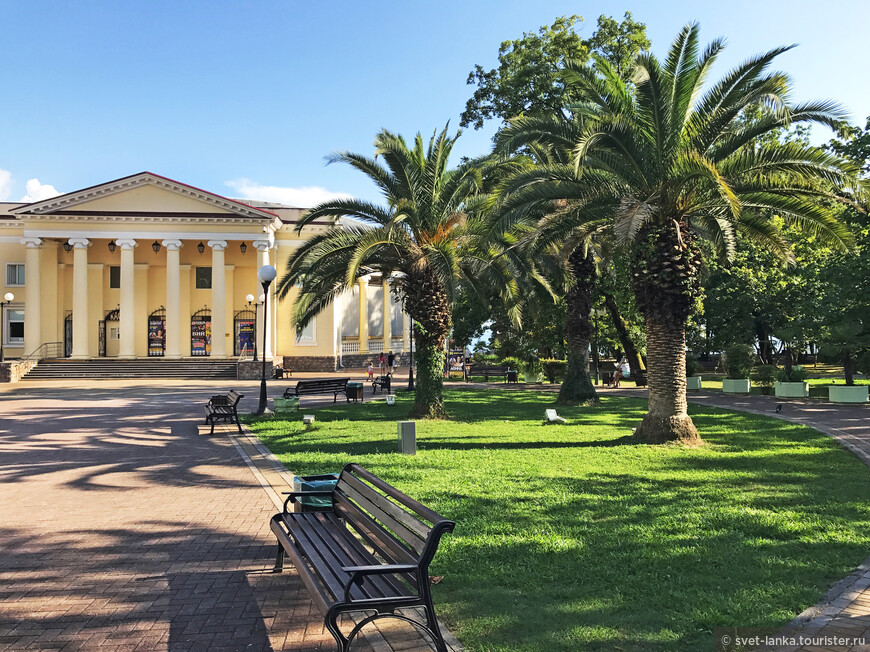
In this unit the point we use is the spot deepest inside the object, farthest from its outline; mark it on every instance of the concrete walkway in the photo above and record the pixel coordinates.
(124, 527)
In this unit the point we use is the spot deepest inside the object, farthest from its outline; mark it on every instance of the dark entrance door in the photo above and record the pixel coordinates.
(200, 333)
(245, 335)
(157, 333)
(102, 338)
(67, 336)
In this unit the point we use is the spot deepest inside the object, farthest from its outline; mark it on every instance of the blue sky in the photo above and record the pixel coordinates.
(247, 98)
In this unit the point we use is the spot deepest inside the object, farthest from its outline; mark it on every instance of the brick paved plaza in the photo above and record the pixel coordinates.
(124, 528)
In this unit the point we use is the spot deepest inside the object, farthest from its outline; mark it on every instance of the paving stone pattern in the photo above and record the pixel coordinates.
(123, 528)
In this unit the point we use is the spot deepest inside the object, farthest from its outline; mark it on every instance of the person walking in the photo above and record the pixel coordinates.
(382, 364)
(391, 363)
(371, 370)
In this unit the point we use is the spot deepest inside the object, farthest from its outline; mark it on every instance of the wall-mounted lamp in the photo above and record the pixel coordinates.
(243, 248)
(200, 248)
(156, 246)
(112, 246)
(67, 247)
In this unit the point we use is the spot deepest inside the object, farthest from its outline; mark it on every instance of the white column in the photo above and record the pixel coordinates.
(80, 350)
(173, 299)
(218, 299)
(363, 314)
(406, 332)
(265, 348)
(127, 345)
(388, 322)
(32, 295)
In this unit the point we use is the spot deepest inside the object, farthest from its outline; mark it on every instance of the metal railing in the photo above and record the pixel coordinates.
(244, 356)
(46, 350)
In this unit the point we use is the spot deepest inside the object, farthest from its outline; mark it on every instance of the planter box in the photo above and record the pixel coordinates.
(693, 382)
(848, 393)
(792, 390)
(735, 385)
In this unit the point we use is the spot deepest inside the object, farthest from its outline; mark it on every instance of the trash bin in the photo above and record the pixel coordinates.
(355, 392)
(324, 482)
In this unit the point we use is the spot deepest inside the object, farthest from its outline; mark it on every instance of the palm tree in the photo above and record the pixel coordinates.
(422, 239)
(671, 162)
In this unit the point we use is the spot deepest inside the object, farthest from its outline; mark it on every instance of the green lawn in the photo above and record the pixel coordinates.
(572, 537)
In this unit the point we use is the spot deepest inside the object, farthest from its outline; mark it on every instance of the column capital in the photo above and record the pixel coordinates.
(263, 245)
(172, 245)
(217, 245)
(126, 243)
(364, 280)
(31, 242)
(80, 243)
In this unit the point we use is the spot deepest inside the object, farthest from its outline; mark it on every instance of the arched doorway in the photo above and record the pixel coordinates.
(200, 333)
(244, 331)
(157, 333)
(110, 334)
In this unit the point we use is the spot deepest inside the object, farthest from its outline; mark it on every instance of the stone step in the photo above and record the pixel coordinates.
(145, 368)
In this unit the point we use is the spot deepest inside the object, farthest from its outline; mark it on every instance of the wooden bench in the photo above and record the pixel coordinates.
(319, 386)
(369, 552)
(223, 408)
(384, 383)
(488, 370)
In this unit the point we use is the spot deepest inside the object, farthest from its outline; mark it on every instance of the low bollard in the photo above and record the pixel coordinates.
(408, 437)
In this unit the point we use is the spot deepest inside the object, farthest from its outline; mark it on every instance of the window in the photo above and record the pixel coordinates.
(114, 277)
(203, 278)
(308, 336)
(13, 329)
(14, 274)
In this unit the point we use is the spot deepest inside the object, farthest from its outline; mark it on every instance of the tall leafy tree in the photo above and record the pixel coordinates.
(527, 80)
(679, 163)
(422, 238)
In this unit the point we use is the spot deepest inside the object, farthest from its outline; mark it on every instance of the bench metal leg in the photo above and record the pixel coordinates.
(239, 425)
(279, 560)
(341, 642)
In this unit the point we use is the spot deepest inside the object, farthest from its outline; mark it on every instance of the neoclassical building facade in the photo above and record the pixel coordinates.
(145, 266)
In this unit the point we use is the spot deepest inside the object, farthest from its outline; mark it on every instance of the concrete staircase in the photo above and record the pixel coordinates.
(142, 368)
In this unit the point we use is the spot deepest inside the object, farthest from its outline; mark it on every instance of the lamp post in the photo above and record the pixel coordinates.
(250, 299)
(265, 275)
(411, 367)
(7, 299)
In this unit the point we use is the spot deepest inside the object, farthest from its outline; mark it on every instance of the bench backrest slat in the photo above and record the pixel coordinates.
(421, 510)
(384, 544)
(407, 528)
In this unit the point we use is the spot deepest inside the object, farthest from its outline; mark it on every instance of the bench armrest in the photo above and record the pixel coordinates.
(292, 495)
(357, 573)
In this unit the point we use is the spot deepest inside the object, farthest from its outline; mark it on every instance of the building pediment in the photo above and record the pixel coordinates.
(143, 195)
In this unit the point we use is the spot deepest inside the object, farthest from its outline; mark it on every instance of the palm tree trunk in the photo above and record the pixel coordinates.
(635, 361)
(577, 387)
(665, 285)
(426, 302)
(428, 397)
(667, 418)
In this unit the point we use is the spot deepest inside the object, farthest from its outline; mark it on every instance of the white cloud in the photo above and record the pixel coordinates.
(5, 184)
(37, 191)
(297, 197)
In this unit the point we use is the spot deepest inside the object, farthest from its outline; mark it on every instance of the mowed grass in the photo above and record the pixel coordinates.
(572, 537)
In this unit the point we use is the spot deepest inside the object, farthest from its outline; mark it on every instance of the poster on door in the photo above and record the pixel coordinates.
(246, 335)
(200, 336)
(156, 336)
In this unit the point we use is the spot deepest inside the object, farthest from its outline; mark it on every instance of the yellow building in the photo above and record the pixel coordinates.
(145, 266)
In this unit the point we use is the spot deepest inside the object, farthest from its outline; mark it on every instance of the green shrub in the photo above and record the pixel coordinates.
(511, 362)
(764, 376)
(692, 365)
(798, 375)
(739, 359)
(554, 369)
